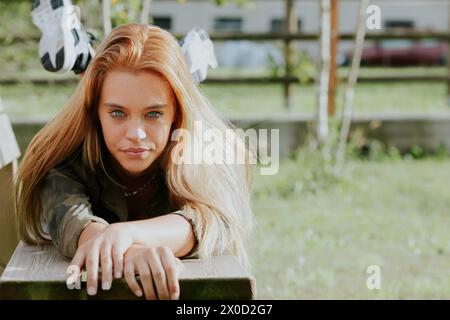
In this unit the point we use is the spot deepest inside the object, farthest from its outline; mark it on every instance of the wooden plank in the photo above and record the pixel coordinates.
(257, 80)
(281, 36)
(39, 273)
(9, 235)
(9, 150)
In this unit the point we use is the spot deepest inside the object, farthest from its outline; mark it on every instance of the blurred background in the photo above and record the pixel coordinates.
(360, 91)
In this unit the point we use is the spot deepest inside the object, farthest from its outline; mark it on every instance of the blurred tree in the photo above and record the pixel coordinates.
(347, 110)
(322, 129)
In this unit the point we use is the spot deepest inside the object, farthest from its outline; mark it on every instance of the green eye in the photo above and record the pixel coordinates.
(154, 114)
(117, 114)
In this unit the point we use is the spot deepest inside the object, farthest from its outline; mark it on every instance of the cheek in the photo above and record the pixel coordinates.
(159, 135)
(111, 133)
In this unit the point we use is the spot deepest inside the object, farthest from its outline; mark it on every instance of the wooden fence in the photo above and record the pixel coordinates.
(288, 37)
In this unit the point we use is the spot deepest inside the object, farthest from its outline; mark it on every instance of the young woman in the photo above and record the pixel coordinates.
(101, 182)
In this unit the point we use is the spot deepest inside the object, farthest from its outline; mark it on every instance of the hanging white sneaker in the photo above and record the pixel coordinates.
(64, 45)
(198, 50)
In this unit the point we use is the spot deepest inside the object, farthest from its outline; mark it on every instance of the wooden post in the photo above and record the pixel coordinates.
(322, 130)
(290, 27)
(333, 82)
(145, 11)
(448, 58)
(347, 108)
(106, 17)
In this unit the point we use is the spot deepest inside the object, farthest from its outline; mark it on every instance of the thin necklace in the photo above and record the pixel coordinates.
(133, 193)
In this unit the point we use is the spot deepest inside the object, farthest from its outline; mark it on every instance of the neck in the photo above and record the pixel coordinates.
(132, 181)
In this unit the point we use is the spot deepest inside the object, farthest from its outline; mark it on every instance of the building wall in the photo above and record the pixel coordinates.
(427, 14)
(256, 17)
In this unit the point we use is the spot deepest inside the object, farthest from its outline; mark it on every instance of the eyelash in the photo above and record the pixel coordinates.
(122, 114)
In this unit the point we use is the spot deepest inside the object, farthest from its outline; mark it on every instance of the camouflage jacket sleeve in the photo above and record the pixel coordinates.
(66, 210)
(191, 216)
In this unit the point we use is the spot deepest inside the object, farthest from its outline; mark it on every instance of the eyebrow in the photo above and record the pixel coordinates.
(153, 106)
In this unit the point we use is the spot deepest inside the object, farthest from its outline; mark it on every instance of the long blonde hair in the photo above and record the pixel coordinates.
(217, 195)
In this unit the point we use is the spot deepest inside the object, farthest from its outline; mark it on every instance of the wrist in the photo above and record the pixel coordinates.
(93, 229)
(140, 232)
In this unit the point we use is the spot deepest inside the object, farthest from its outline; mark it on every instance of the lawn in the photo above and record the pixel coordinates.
(245, 100)
(315, 236)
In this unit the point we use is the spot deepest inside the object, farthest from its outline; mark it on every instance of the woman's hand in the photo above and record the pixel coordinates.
(158, 270)
(106, 249)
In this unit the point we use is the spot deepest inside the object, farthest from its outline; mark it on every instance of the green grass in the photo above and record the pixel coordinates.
(246, 100)
(315, 236)
(34, 101)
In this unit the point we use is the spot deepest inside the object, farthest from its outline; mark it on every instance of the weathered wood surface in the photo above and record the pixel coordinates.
(9, 234)
(39, 273)
(9, 150)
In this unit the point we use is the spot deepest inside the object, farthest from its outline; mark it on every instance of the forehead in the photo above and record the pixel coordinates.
(130, 88)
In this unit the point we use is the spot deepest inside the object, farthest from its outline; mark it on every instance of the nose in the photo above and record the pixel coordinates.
(136, 132)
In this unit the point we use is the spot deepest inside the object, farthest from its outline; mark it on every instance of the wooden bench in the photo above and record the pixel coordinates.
(40, 273)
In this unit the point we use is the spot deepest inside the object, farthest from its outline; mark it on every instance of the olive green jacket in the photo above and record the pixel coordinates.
(72, 197)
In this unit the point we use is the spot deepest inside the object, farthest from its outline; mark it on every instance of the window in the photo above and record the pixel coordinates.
(228, 24)
(163, 22)
(403, 24)
(397, 44)
(277, 25)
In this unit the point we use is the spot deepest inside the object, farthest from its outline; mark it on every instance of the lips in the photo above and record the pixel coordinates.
(136, 150)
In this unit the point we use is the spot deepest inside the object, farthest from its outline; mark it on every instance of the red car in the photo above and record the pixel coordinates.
(402, 53)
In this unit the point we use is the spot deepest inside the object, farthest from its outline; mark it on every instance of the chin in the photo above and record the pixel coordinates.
(134, 171)
(136, 168)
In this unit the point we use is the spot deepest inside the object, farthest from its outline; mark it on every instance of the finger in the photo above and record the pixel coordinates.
(171, 268)
(78, 258)
(130, 278)
(145, 275)
(159, 276)
(75, 266)
(92, 260)
(106, 262)
(118, 252)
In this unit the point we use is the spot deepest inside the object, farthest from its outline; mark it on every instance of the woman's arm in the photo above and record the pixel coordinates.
(106, 245)
(170, 230)
(66, 210)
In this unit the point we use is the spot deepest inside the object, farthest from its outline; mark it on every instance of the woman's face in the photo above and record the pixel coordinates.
(136, 112)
